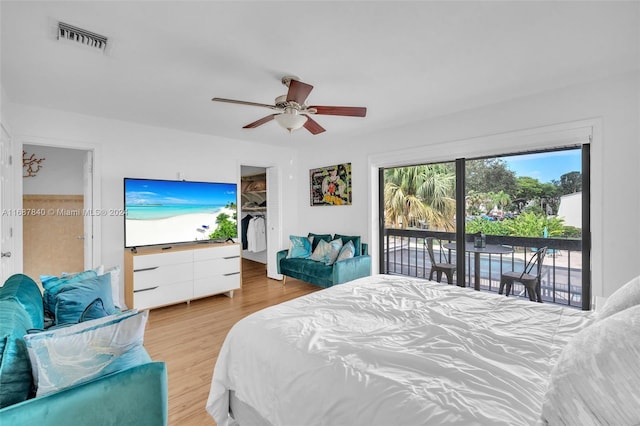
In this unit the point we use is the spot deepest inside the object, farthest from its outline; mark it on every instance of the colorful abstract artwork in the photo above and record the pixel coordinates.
(331, 186)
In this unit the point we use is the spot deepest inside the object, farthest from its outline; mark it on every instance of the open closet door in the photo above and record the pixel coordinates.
(274, 222)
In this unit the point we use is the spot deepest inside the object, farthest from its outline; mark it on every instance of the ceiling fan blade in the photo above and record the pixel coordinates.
(313, 126)
(340, 110)
(259, 122)
(298, 91)
(233, 101)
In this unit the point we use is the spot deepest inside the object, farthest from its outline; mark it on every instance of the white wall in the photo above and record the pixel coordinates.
(61, 172)
(615, 164)
(124, 149)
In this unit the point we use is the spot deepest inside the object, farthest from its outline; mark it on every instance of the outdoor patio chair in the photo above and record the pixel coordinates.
(437, 267)
(530, 282)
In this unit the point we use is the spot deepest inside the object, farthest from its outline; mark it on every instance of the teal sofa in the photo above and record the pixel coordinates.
(133, 396)
(323, 275)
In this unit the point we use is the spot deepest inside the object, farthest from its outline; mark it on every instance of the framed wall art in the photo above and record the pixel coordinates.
(331, 186)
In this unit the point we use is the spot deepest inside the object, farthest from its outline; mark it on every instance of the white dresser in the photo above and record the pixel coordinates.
(156, 277)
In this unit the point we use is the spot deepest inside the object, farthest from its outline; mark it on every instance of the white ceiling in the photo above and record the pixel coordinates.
(405, 61)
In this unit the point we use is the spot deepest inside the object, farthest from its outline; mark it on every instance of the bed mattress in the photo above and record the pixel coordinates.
(392, 350)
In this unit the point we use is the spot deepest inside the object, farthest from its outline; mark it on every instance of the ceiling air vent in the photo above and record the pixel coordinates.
(84, 37)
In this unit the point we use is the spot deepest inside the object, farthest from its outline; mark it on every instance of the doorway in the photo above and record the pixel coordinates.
(253, 213)
(56, 237)
(262, 199)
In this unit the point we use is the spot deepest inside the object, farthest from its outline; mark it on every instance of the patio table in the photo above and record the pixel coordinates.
(477, 251)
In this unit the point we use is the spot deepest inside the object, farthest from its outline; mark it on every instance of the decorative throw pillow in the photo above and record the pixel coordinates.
(300, 247)
(334, 250)
(625, 297)
(73, 299)
(53, 285)
(316, 238)
(356, 242)
(115, 286)
(327, 252)
(115, 283)
(321, 251)
(347, 251)
(597, 380)
(76, 354)
(20, 310)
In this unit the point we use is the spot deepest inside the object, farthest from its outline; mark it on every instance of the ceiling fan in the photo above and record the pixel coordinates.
(291, 110)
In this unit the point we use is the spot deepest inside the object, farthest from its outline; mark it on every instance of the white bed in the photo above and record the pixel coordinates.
(392, 350)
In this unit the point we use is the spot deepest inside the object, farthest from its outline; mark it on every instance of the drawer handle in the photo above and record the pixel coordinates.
(145, 289)
(146, 269)
(231, 257)
(231, 273)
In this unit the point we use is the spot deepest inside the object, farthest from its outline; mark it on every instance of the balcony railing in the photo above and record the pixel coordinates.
(405, 253)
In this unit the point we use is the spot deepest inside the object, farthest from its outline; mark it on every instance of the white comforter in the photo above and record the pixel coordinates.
(390, 350)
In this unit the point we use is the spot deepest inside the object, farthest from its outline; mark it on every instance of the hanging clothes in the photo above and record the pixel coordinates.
(245, 227)
(257, 234)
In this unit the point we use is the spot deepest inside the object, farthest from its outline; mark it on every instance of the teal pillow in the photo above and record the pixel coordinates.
(72, 355)
(20, 311)
(95, 310)
(316, 238)
(53, 285)
(27, 294)
(77, 300)
(16, 380)
(300, 247)
(347, 251)
(356, 242)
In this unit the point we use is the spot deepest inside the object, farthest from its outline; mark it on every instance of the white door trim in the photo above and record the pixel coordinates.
(92, 196)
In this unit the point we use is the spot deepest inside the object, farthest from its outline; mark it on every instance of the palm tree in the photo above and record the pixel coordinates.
(420, 193)
(501, 199)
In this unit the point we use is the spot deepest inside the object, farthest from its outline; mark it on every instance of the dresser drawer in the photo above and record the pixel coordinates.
(165, 258)
(221, 251)
(216, 267)
(216, 284)
(162, 274)
(163, 295)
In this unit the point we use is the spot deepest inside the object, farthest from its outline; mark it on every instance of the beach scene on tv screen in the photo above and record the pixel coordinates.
(164, 212)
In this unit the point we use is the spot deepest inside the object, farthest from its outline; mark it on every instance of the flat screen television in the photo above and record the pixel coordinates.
(162, 212)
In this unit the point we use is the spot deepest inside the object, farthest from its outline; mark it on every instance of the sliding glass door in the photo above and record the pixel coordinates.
(502, 210)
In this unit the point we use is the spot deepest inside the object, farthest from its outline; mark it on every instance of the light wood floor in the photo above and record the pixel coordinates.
(188, 337)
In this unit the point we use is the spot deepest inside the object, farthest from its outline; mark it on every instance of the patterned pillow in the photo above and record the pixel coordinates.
(597, 380)
(321, 251)
(625, 297)
(334, 251)
(347, 251)
(327, 253)
(300, 247)
(68, 356)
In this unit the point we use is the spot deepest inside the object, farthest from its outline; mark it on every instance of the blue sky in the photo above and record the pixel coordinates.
(545, 166)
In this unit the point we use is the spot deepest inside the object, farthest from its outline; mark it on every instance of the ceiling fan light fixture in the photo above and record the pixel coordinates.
(290, 119)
